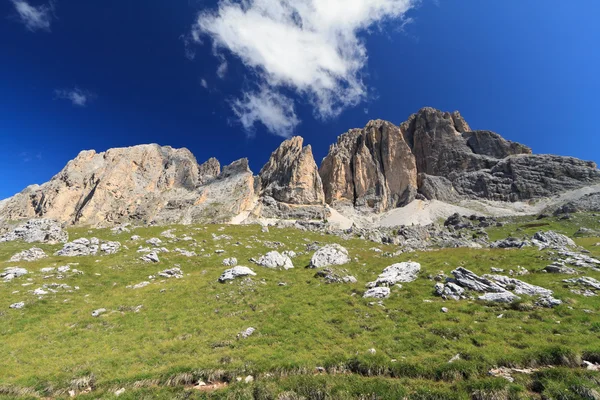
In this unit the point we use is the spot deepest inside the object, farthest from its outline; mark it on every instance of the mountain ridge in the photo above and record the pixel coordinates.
(433, 155)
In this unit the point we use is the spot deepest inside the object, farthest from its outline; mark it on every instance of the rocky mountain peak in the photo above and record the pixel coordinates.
(291, 175)
(371, 167)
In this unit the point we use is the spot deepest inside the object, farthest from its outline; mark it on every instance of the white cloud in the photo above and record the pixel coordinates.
(76, 96)
(34, 18)
(309, 46)
(222, 70)
(203, 83)
(272, 109)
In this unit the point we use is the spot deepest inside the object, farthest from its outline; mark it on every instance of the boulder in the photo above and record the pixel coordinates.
(553, 240)
(11, 273)
(274, 259)
(235, 272)
(32, 254)
(396, 273)
(150, 257)
(378, 293)
(332, 254)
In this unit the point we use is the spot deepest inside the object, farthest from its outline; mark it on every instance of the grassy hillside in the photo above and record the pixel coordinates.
(313, 340)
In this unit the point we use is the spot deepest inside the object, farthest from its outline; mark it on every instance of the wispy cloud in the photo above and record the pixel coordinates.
(76, 96)
(203, 83)
(27, 156)
(310, 47)
(274, 111)
(35, 17)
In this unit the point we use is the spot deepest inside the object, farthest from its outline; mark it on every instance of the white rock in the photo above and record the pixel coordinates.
(11, 273)
(230, 262)
(274, 259)
(401, 272)
(503, 297)
(171, 273)
(246, 333)
(17, 306)
(150, 257)
(98, 312)
(32, 254)
(378, 293)
(154, 242)
(235, 272)
(332, 254)
(140, 285)
(110, 247)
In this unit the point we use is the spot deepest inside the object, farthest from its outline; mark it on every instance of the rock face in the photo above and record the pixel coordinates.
(291, 175)
(371, 167)
(436, 152)
(146, 183)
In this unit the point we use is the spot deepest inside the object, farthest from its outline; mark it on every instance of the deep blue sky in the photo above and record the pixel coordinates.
(525, 69)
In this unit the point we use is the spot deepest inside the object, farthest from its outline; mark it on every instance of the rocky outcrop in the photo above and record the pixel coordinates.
(146, 183)
(37, 230)
(371, 167)
(291, 175)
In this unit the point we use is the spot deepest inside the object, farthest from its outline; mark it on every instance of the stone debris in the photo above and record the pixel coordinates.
(185, 253)
(98, 312)
(150, 257)
(135, 238)
(332, 254)
(32, 254)
(495, 288)
(559, 268)
(230, 262)
(235, 272)
(274, 259)
(510, 243)
(584, 281)
(17, 306)
(37, 230)
(154, 242)
(11, 273)
(246, 333)
(552, 240)
(506, 373)
(401, 272)
(171, 273)
(519, 287)
(504, 297)
(79, 247)
(332, 275)
(139, 285)
(110, 247)
(377, 293)
(168, 234)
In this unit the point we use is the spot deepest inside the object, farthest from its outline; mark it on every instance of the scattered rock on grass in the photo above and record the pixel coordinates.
(32, 254)
(246, 333)
(332, 254)
(235, 272)
(400, 272)
(150, 257)
(274, 259)
(377, 293)
(11, 273)
(98, 312)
